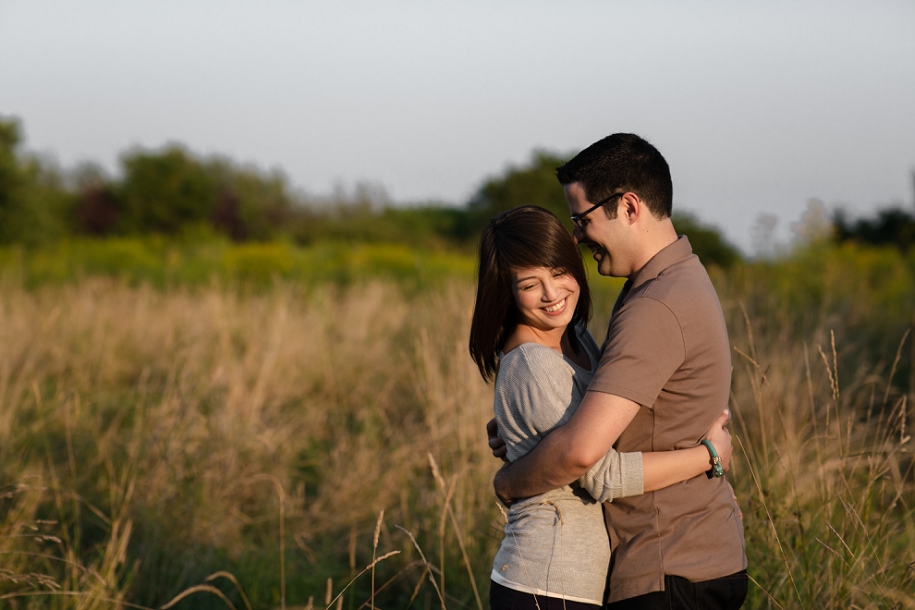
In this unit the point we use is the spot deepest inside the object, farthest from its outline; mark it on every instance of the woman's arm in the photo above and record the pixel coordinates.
(617, 475)
(663, 468)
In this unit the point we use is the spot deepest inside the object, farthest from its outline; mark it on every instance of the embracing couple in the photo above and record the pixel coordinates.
(634, 427)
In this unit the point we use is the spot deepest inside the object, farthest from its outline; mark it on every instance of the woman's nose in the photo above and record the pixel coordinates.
(549, 290)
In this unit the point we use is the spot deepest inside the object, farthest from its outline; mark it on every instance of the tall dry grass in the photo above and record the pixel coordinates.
(323, 446)
(165, 434)
(824, 470)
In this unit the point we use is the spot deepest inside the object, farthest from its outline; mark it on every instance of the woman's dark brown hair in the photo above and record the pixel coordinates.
(526, 236)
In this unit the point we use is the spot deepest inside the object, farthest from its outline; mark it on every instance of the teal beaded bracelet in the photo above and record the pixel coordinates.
(717, 470)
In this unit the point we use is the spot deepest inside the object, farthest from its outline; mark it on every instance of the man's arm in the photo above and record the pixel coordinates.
(618, 475)
(570, 450)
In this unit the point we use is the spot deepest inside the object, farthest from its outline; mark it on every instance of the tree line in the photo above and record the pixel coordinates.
(173, 192)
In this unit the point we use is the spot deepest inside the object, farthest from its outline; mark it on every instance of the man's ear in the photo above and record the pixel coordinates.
(630, 208)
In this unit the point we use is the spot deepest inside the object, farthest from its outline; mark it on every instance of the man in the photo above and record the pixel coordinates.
(663, 377)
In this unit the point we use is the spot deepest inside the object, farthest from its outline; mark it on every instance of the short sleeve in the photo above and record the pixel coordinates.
(534, 394)
(644, 348)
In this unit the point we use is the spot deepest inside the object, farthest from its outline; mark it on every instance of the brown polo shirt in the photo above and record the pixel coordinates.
(667, 350)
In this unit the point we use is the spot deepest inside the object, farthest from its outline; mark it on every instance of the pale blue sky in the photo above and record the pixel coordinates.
(758, 107)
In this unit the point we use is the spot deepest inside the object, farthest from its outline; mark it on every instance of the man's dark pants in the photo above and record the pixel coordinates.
(727, 593)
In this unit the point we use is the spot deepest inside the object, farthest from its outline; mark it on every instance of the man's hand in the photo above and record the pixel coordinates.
(496, 443)
(721, 438)
(498, 484)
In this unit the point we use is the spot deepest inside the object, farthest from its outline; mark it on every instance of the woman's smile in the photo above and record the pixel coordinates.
(557, 308)
(546, 298)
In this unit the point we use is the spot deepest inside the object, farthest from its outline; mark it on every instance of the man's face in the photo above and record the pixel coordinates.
(604, 236)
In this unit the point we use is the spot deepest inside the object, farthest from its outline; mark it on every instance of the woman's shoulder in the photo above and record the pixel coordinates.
(531, 355)
(533, 368)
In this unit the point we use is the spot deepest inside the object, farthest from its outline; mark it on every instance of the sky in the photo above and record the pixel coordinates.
(759, 108)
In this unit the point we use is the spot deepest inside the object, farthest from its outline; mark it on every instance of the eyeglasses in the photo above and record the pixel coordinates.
(578, 218)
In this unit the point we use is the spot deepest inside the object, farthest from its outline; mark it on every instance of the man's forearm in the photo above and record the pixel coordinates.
(545, 468)
(570, 450)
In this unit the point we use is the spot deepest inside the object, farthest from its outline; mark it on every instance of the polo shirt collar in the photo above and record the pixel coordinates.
(676, 252)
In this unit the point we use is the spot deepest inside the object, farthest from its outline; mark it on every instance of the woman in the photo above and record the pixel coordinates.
(529, 332)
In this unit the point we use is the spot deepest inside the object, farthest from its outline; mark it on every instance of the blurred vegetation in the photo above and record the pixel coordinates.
(708, 243)
(34, 202)
(195, 262)
(534, 184)
(172, 193)
(892, 226)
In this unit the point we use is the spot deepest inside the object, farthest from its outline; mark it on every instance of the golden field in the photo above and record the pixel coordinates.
(321, 444)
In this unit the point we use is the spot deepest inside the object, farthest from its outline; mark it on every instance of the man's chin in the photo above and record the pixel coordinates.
(603, 265)
(606, 270)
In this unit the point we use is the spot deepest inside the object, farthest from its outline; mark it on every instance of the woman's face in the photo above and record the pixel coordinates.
(546, 298)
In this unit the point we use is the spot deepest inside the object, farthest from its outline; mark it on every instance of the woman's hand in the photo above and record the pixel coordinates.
(721, 438)
(496, 443)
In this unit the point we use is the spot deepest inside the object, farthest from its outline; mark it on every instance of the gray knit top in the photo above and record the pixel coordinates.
(555, 544)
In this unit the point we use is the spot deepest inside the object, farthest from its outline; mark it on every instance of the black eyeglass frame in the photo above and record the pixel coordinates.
(577, 218)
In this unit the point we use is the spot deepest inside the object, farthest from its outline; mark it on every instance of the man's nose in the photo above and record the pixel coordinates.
(577, 234)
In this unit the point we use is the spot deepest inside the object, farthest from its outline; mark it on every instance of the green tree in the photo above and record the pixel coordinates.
(707, 242)
(250, 205)
(10, 178)
(33, 201)
(533, 184)
(891, 226)
(163, 192)
(97, 210)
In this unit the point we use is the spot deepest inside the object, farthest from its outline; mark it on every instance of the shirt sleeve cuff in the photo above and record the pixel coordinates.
(616, 475)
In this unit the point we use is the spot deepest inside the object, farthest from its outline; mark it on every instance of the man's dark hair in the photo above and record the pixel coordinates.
(526, 236)
(620, 163)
